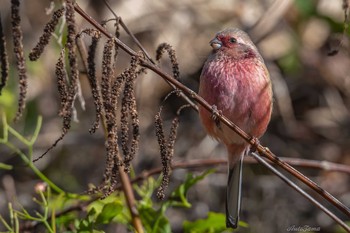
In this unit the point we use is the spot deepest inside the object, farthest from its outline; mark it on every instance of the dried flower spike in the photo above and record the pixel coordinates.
(4, 63)
(61, 79)
(18, 51)
(95, 88)
(172, 55)
(107, 74)
(45, 37)
(163, 154)
(129, 109)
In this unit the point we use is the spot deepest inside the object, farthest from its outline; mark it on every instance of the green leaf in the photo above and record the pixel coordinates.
(178, 197)
(215, 222)
(154, 221)
(109, 211)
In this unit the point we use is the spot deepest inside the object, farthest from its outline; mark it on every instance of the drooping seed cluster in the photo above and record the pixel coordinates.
(61, 79)
(17, 38)
(172, 56)
(166, 146)
(67, 82)
(45, 37)
(113, 94)
(4, 62)
(95, 88)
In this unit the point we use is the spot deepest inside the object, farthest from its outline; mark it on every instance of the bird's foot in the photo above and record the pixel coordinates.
(215, 114)
(255, 143)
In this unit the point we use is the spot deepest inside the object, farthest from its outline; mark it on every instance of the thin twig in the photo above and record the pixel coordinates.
(302, 192)
(202, 163)
(126, 29)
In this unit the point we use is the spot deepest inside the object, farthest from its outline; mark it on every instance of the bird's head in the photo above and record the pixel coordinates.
(235, 43)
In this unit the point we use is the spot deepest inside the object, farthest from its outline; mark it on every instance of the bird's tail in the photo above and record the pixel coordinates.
(233, 195)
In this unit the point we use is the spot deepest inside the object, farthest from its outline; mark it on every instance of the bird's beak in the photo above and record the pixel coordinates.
(215, 43)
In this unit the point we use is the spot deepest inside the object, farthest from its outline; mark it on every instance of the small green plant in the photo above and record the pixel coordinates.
(60, 211)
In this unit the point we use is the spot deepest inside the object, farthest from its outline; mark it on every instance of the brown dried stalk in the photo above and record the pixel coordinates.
(20, 60)
(4, 63)
(45, 37)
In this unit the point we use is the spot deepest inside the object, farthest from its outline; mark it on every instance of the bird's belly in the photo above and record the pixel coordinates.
(241, 104)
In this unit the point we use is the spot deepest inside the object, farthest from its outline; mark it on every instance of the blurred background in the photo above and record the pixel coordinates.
(311, 117)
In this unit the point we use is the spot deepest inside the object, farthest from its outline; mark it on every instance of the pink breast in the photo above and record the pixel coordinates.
(242, 91)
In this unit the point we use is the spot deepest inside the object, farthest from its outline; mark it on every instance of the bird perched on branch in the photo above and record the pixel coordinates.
(236, 82)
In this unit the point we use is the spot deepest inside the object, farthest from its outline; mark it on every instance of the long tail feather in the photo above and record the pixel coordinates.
(233, 195)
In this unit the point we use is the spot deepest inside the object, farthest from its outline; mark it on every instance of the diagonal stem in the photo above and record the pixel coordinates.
(126, 29)
(299, 190)
(326, 195)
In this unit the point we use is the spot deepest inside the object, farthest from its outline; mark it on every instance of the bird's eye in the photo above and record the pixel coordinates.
(233, 40)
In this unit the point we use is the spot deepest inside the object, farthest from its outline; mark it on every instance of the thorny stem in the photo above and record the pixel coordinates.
(124, 178)
(263, 151)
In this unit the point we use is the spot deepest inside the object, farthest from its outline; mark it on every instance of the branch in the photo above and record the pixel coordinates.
(263, 151)
(202, 163)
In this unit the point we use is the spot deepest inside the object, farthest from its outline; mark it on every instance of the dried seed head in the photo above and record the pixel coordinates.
(61, 78)
(45, 37)
(172, 137)
(71, 48)
(18, 51)
(129, 109)
(67, 110)
(107, 74)
(4, 63)
(172, 56)
(163, 154)
(95, 88)
(109, 97)
(166, 148)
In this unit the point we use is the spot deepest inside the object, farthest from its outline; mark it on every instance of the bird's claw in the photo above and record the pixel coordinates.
(215, 114)
(254, 144)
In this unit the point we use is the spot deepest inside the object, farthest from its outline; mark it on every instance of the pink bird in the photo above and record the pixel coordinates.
(236, 82)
